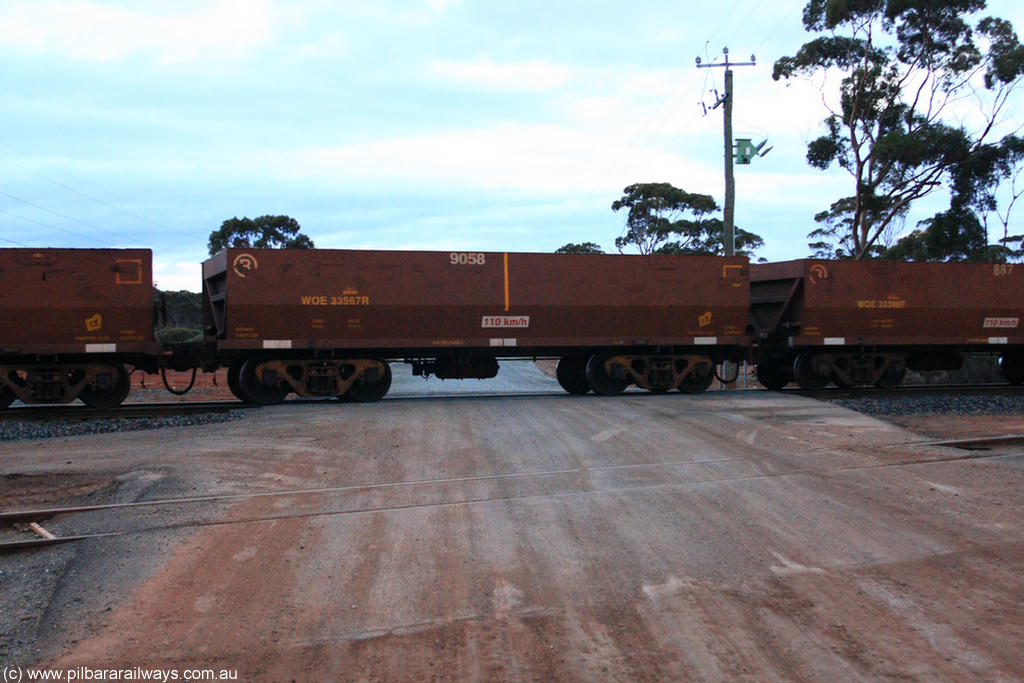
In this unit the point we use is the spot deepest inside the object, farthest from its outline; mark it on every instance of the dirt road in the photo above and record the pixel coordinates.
(728, 537)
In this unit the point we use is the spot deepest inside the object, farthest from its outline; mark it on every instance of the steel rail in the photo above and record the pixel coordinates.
(11, 546)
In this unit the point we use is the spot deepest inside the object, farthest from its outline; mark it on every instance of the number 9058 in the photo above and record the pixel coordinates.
(462, 258)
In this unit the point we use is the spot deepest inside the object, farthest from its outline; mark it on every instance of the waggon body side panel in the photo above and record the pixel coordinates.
(886, 303)
(76, 301)
(512, 303)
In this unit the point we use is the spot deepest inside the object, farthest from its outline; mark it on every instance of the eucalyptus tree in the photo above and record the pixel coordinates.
(663, 219)
(922, 104)
(262, 232)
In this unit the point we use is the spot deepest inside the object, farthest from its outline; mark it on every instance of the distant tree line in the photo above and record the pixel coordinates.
(664, 219)
(181, 315)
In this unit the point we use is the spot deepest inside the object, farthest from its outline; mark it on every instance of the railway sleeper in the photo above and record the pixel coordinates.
(689, 372)
(317, 377)
(99, 385)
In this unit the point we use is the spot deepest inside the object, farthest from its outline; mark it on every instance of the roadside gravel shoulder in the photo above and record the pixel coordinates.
(946, 416)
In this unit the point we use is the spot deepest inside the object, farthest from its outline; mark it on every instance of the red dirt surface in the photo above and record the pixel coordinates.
(208, 386)
(727, 537)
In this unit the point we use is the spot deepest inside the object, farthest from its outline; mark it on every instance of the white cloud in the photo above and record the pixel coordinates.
(173, 277)
(545, 158)
(530, 76)
(97, 32)
(325, 46)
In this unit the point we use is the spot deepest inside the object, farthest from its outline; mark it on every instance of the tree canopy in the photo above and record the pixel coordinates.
(663, 219)
(910, 70)
(581, 248)
(263, 232)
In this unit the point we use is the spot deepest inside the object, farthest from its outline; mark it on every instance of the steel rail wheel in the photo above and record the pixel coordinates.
(571, 373)
(842, 383)
(258, 387)
(234, 371)
(892, 377)
(108, 389)
(1012, 367)
(772, 376)
(805, 376)
(600, 381)
(697, 382)
(362, 391)
(6, 397)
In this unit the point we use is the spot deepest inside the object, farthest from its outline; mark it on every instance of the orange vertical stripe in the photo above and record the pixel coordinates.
(506, 283)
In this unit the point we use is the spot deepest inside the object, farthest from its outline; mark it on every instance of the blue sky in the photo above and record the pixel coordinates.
(423, 124)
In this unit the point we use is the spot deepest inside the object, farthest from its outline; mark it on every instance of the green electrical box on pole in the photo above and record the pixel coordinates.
(730, 183)
(747, 150)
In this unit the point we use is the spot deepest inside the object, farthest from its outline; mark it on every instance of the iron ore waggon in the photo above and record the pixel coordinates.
(329, 322)
(70, 320)
(868, 322)
(73, 322)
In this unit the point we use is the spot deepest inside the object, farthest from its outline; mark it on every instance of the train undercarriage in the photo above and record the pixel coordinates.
(97, 384)
(265, 379)
(610, 373)
(815, 369)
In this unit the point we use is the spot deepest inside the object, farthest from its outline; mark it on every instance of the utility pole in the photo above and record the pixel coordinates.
(730, 182)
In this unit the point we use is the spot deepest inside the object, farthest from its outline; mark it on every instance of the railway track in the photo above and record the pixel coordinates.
(42, 422)
(148, 409)
(563, 483)
(912, 390)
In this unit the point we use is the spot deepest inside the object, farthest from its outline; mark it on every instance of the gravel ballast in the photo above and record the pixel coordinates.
(20, 430)
(946, 404)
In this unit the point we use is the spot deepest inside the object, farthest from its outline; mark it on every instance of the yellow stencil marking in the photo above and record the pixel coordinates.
(732, 273)
(128, 272)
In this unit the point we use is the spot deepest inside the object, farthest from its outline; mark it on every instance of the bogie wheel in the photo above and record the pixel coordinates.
(255, 389)
(362, 391)
(892, 377)
(109, 389)
(772, 376)
(234, 371)
(1012, 367)
(600, 381)
(6, 397)
(805, 376)
(698, 381)
(842, 383)
(571, 372)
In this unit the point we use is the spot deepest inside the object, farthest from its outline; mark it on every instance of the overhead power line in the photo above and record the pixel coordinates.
(70, 218)
(97, 200)
(782, 21)
(54, 227)
(743, 23)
